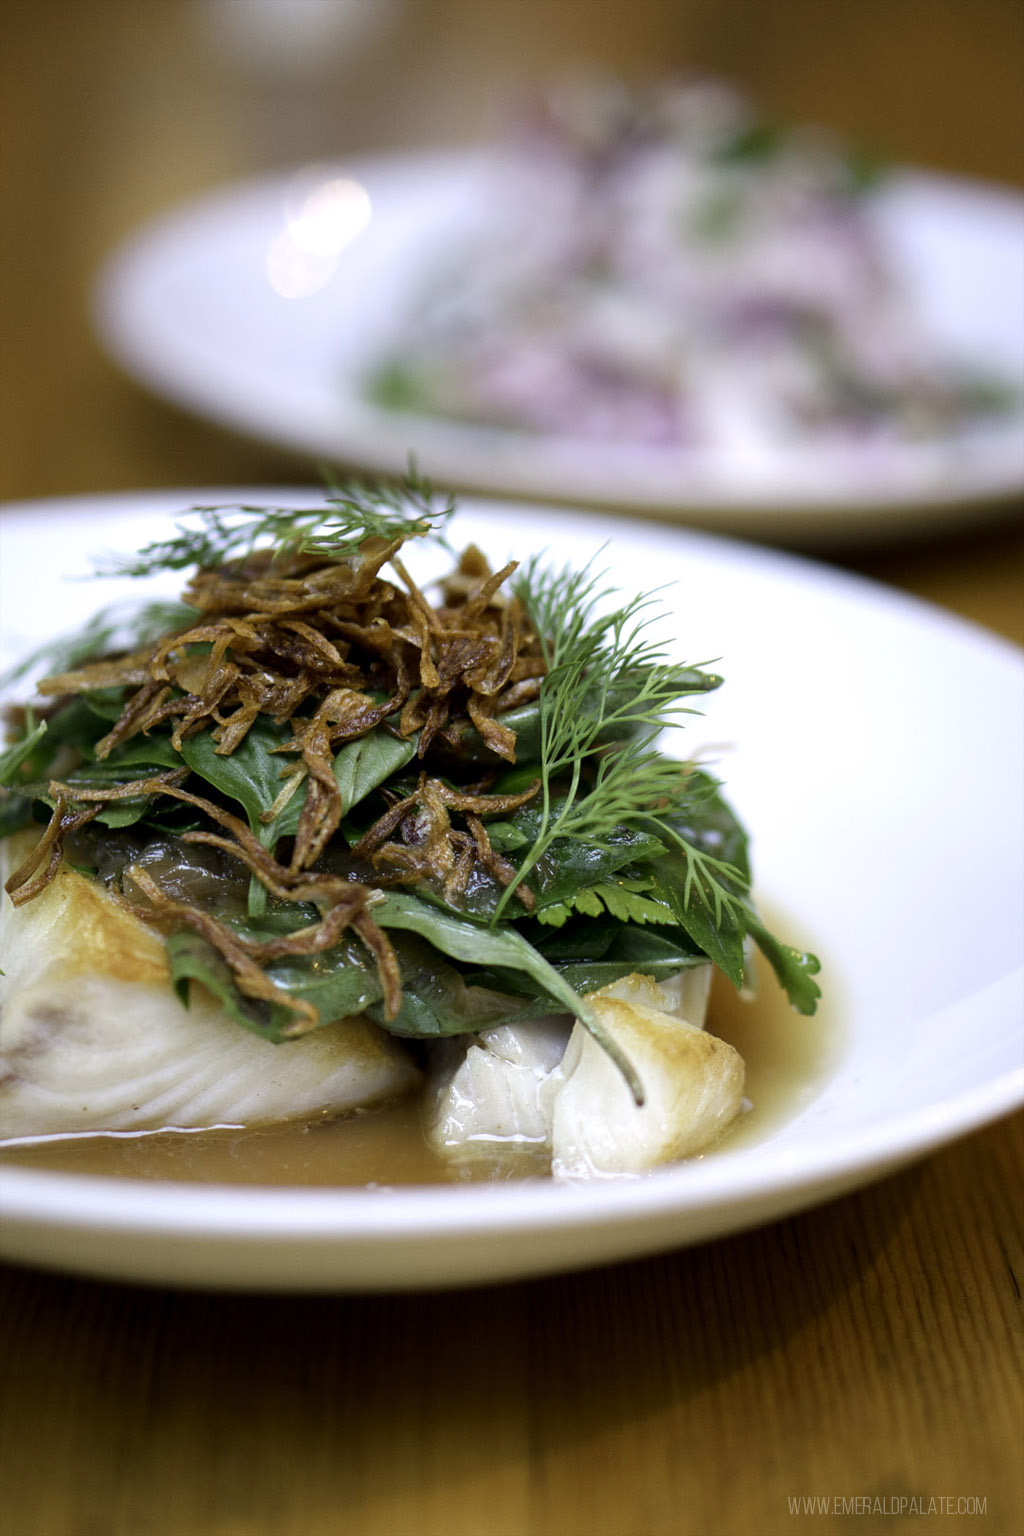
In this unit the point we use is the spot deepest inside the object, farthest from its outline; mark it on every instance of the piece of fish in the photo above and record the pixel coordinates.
(493, 1089)
(93, 1037)
(684, 995)
(693, 1085)
(547, 1083)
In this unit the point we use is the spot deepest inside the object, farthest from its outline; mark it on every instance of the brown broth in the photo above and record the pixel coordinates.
(787, 1058)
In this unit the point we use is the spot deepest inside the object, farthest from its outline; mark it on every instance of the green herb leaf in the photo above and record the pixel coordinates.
(251, 774)
(650, 950)
(440, 999)
(606, 656)
(692, 889)
(339, 984)
(506, 948)
(793, 968)
(624, 899)
(361, 766)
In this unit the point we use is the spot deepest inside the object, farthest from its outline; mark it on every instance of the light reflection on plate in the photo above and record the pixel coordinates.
(876, 756)
(186, 307)
(322, 213)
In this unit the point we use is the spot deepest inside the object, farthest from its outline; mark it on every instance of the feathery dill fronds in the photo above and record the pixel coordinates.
(354, 511)
(600, 768)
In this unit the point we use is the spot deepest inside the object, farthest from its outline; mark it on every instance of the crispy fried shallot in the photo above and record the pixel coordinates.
(431, 848)
(29, 879)
(334, 650)
(283, 637)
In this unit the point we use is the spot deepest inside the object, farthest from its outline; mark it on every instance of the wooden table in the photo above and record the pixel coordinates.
(865, 1355)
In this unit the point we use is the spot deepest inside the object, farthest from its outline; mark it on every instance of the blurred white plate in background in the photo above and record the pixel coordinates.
(188, 308)
(877, 761)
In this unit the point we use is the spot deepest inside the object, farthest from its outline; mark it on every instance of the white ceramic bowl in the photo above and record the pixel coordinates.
(876, 757)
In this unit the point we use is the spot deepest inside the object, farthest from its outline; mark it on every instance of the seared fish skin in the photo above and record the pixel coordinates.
(93, 1038)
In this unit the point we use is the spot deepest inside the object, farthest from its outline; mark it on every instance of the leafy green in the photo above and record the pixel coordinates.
(361, 766)
(793, 968)
(505, 948)
(593, 953)
(652, 947)
(631, 860)
(568, 867)
(624, 899)
(714, 919)
(143, 758)
(441, 999)
(339, 985)
(251, 774)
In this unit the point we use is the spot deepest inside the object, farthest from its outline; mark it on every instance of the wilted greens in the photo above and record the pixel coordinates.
(334, 793)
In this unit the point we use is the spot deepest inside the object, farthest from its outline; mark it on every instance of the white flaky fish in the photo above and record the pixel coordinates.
(693, 1087)
(94, 1038)
(493, 1089)
(548, 1083)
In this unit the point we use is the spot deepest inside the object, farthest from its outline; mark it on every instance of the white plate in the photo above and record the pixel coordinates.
(186, 307)
(877, 759)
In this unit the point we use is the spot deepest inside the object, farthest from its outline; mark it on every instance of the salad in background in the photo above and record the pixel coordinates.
(672, 269)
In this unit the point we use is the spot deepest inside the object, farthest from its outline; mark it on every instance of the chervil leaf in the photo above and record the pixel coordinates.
(793, 968)
(623, 899)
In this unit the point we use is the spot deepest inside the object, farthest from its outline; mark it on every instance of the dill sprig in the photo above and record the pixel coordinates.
(406, 509)
(600, 769)
(354, 512)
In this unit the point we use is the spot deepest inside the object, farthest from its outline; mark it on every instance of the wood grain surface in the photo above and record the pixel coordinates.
(864, 1357)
